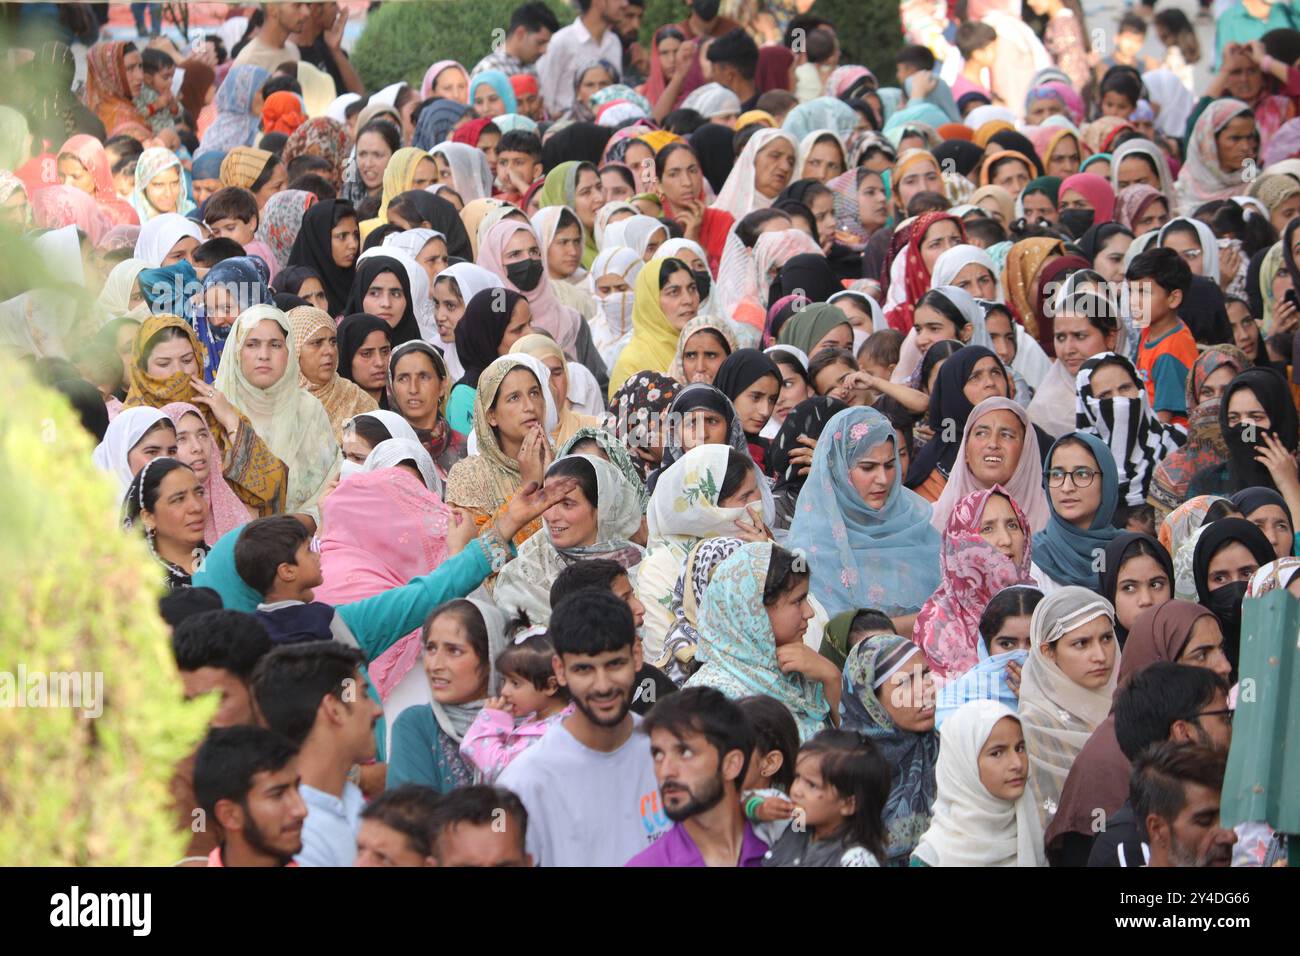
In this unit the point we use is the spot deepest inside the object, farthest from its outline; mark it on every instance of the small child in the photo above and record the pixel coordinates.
(1129, 39)
(1182, 47)
(1158, 279)
(232, 213)
(531, 702)
(840, 787)
(823, 57)
(156, 100)
(765, 789)
(978, 44)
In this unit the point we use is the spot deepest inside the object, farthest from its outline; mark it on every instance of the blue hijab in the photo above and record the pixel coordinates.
(499, 82)
(987, 680)
(245, 277)
(825, 112)
(436, 121)
(861, 557)
(218, 572)
(168, 289)
(1069, 554)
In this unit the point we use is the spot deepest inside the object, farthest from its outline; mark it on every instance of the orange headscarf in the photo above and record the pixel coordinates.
(956, 131)
(1000, 155)
(282, 113)
(987, 131)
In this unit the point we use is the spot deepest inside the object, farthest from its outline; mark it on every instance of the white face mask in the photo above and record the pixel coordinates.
(617, 307)
(350, 468)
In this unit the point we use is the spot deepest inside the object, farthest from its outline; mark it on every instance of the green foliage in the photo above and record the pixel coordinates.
(80, 596)
(659, 12)
(870, 34)
(402, 40)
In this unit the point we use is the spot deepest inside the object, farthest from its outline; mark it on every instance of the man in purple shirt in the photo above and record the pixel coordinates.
(701, 743)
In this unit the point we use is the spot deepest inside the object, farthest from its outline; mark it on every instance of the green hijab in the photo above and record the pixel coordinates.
(558, 190)
(810, 325)
(1049, 186)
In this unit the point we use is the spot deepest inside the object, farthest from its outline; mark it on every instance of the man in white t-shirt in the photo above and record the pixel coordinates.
(272, 45)
(589, 785)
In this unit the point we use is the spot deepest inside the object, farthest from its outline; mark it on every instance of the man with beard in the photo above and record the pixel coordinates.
(589, 784)
(1163, 703)
(246, 779)
(1175, 796)
(315, 694)
(701, 744)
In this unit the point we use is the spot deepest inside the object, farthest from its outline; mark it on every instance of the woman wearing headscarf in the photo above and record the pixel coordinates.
(1227, 553)
(419, 384)
(198, 449)
(110, 90)
(1268, 511)
(1206, 447)
(1085, 199)
(489, 478)
(705, 402)
(328, 243)
(408, 168)
(614, 269)
(524, 585)
(54, 207)
(1147, 570)
(1262, 404)
(1082, 509)
(867, 539)
(972, 825)
(127, 433)
(237, 121)
(654, 335)
(243, 459)
(737, 646)
(1223, 140)
(682, 641)
(289, 419)
(280, 220)
(816, 327)
(994, 451)
(230, 287)
(282, 113)
(453, 85)
(636, 413)
(84, 164)
(910, 271)
(440, 216)
(121, 295)
(156, 163)
(1066, 687)
(808, 419)
(1019, 280)
(1124, 422)
(358, 331)
(1181, 523)
(753, 382)
(983, 551)
(764, 168)
(576, 185)
(547, 351)
(164, 236)
(315, 338)
(1099, 777)
(321, 137)
(888, 695)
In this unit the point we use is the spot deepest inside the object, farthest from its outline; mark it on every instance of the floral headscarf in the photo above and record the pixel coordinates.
(636, 407)
(154, 162)
(56, 206)
(280, 220)
(321, 137)
(108, 91)
(341, 397)
(1024, 261)
(973, 571)
(236, 123)
(1202, 179)
(737, 649)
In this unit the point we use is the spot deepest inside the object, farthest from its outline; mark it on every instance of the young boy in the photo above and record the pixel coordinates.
(913, 59)
(519, 163)
(879, 353)
(1129, 38)
(1157, 281)
(823, 57)
(231, 213)
(156, 101)
(978, 44)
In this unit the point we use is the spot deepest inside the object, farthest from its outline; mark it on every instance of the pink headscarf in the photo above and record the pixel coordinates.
(90, 153)
(972, 571)
(1133, 201)
(1073, 101)
(1096, 190)
(1026, 484)
(381, 529)
(774, 249)
(549, 315)
(56, 206)
(225, 509)
(431, 77)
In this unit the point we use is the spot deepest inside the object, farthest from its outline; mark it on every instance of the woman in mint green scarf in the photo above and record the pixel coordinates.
(576, 185)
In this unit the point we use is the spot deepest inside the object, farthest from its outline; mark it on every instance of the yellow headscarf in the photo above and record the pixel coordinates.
(654, 340)
(318, 90)
(399, 176)
(243, 165)
(755, 116)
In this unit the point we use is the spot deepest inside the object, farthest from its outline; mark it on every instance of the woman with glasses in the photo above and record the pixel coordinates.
(1082, 492)
(1178, 632)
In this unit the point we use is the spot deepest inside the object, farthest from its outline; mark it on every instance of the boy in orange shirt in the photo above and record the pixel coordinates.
(1158, 279)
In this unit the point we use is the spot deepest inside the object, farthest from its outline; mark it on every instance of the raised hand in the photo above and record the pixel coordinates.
(460, 530)
(209, 397)
(530, 502)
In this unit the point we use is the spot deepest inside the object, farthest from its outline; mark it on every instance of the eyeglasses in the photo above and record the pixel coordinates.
(1080, 477)
(1226, 714)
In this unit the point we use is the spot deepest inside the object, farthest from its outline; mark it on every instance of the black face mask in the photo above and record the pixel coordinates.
(525, 274)
(703, 282)
(1225, 603)
(1078, 221)
(706, 9)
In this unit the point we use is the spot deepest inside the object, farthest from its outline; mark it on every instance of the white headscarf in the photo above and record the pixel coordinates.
(611, 326)
(421, 302)
(115, 297)
(602, 220)
(1209, 244)
(388, 95)
(987, 114)
(1153, 152)
(635, 233)
(739, 196)
(470, 173)
(712, 99)
(159, 234)
(412, 241)
(124, 433)
(470, 280)
(337, 110)
(1176, 101)
(806, 146)
(394, 451)
(551, 420)
(953, 260)
(969, 826)
(1058, 715)
(454, 719)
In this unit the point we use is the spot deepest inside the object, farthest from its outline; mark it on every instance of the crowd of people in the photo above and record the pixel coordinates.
(803, 467)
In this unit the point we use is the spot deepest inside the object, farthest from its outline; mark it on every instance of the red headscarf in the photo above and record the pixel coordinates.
(916, 275)
(1096, 190)
(523, 83)
(773, 72)
(470, 132)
